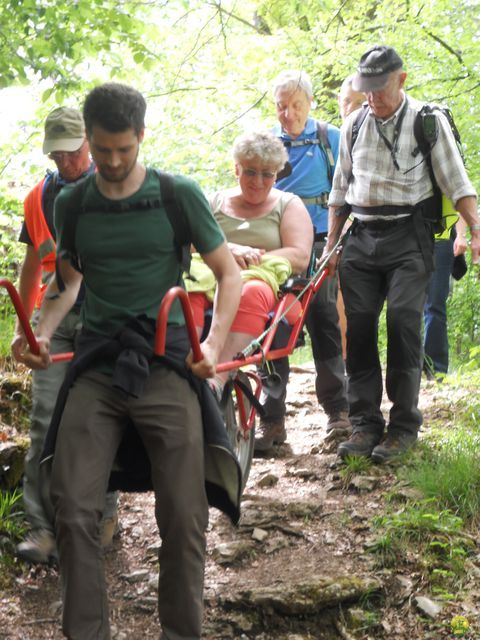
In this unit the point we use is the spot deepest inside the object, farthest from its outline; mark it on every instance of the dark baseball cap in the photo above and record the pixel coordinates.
(374, 68)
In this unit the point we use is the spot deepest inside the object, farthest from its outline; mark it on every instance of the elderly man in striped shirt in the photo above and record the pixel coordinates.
(385, 183)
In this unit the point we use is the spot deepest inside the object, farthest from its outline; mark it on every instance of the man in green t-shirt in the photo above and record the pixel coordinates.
(128, 258)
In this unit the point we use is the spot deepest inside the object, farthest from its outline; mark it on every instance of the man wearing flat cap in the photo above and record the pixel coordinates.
(385, 183)
(64, 143)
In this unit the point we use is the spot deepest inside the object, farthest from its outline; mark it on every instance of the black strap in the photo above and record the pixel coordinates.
(393, 145)
(322, 141)
(176, 217)
(357, 125)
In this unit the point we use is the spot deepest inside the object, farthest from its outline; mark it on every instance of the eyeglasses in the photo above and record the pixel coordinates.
(58, 156)
(265, 175)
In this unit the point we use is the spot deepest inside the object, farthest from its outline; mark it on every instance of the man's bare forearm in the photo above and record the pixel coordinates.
(56, 304)
(335, 226)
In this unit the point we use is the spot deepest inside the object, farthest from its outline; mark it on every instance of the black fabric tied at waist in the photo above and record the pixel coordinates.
(131, 353)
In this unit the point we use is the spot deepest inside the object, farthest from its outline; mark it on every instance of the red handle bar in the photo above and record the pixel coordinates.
(25, 324)
(22, 316)
(162, 321)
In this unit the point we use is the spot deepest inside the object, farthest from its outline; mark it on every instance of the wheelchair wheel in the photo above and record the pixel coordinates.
(242, 441)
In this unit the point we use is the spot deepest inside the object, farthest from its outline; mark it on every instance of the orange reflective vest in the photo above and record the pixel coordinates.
(40, 236)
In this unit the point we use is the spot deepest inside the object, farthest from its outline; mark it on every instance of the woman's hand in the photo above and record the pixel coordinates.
(245, 256)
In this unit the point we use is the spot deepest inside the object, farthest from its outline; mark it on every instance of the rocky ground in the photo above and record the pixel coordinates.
(298, 567)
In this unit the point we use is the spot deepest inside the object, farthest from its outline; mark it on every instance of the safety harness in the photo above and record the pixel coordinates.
(323, 142)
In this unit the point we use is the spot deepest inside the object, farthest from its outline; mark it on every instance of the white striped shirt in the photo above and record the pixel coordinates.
(367, 176)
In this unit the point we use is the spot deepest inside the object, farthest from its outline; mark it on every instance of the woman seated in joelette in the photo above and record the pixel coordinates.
(269, 233)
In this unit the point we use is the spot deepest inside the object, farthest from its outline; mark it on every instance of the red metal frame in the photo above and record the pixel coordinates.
(25, 323)
(266, 353)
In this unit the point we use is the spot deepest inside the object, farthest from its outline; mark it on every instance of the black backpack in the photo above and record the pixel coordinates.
(176, 216)
(425, 130)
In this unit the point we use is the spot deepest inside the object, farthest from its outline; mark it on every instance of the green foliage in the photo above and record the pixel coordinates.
(352, 466)
(11, 253)
(451, 473)
(464, 319)
(430, 537)
(206, 69)
(11, 514)
(53, 40)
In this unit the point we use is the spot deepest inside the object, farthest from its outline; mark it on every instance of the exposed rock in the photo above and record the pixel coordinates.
(306, 598)
(304, 474)
(268, 480)
(137, 576)
(12, 462)
(230, 552)
(363, 483)
(402, 588)
(408, 494)
(428, 607)
(259, 534)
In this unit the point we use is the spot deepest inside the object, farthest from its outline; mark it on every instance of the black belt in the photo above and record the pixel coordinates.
(384, 209)
(381, 224)
(320, 237)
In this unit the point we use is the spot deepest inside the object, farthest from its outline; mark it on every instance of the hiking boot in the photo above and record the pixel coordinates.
(338, 430)
(392, 446)
(338, 421)
(109, 529)
(39, 547)
(270, 432)
(361, 443)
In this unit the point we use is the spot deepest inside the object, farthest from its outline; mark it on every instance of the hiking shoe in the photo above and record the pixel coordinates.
(270, 432)
(109, 529)
(338, 421)
(39, 547)
(392, 446)
(361, 443)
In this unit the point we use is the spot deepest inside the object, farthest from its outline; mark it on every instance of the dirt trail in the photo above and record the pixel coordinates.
(304, 530)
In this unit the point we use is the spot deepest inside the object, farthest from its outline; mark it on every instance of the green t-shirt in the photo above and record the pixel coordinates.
(128, 258)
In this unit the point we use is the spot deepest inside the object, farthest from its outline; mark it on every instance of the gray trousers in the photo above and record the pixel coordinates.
(168, 419)
(378, 266)
(45, 386)
(323, 327)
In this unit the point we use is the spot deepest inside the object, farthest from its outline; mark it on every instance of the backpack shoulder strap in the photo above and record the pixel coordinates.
(76, 198)
(357, 124)
(322, 135)
(177, 219)
(424, 145)
(68, 251)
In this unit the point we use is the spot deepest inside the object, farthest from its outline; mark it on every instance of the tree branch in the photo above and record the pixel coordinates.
(220, 9)
(241, 115)
(445, 45)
